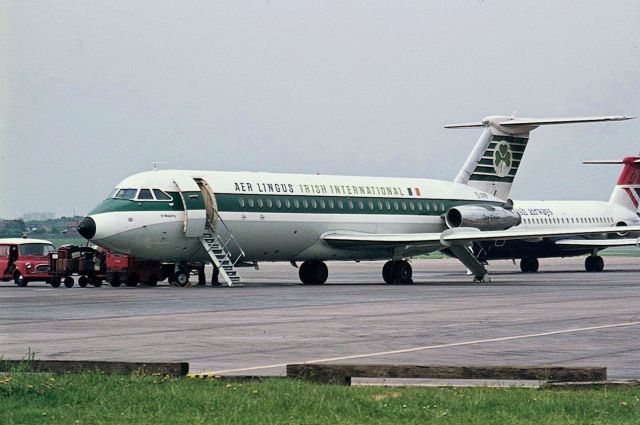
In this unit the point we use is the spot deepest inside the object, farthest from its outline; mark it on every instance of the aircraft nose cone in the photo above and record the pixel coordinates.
(87, 228)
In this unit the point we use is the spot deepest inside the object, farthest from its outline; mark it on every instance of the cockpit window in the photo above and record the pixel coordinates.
(161, 196)
(126, 194)
(145, 194)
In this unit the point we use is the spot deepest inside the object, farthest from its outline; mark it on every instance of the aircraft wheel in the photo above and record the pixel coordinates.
(529, 265)
(594, 263)
(68, 282)
(55, 282)
(115, 280)
(387, 272)
(132, 280)
(402, 273)
(83, 281)
(20, 280)
(179, 279)
(313, 272)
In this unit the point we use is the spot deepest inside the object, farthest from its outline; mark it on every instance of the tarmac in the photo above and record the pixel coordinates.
(560, 316)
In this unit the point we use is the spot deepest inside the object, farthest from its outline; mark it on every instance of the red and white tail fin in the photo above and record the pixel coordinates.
(627, 189)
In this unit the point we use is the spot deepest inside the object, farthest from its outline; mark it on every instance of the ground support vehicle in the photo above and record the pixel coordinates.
(85, 262)
(25, 260)
(123, 269)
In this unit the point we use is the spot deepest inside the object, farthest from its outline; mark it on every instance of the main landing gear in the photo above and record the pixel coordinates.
(397, 272)
(594, 263)
(529, 265)
(313, 272)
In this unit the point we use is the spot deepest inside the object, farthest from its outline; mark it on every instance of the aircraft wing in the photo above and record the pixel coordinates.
(346, 239)
(597, 243)
(462, 234)
(468, 235)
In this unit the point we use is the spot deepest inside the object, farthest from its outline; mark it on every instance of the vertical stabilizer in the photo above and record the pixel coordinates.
(626, 192)
(497, 155)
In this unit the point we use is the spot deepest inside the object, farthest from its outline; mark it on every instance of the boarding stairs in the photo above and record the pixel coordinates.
(220, 246)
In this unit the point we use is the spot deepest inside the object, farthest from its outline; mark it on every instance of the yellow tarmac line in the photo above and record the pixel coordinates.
(410, 350)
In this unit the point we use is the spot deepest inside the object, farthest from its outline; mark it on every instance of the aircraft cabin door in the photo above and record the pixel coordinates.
(195, 213)
(209, 201)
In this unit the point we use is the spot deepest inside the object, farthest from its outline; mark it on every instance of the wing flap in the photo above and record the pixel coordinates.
(597, 243)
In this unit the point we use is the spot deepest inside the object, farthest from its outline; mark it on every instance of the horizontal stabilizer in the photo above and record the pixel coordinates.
(536, 122)
(572, 120)
(609, 161)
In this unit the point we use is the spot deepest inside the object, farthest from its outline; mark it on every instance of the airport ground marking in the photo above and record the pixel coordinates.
(421, 348)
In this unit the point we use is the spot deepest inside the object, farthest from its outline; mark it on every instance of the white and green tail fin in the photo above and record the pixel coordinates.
(497, 155)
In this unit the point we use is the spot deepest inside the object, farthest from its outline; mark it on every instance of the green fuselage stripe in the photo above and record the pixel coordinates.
(308, 204)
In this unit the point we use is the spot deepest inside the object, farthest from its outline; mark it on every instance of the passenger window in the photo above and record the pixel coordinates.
(145, 195)
(250, 202)
(404, 206)
(161, 196)
(370, 205)
(287, 203)
(296, 203)
(441, 206)
(305, 203)
(350, 205)
(314, 204)
(278, 203)
(269, 203)
(413, 207)
(241, 202)
(260, 203)
(360, 205)
(330, 204)
(395, 206)
(380, 205)
(388, 205)
(426, 206)
(340, 205)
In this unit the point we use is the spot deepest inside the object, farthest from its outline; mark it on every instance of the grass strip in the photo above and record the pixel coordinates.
(93, 398)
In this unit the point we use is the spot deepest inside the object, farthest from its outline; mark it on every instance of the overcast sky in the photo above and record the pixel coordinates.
(94, 91)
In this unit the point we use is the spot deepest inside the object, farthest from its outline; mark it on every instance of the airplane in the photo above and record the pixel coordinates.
(623, 202)
(235, 219)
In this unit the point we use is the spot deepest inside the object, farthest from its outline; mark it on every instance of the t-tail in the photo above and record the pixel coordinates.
(626, 192)
(496, 157)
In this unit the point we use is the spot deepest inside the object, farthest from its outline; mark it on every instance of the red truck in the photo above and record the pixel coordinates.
(122, 268)
(25, 260)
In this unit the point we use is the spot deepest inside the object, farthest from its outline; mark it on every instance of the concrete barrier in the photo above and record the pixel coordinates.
(341, 374)
(74, 366)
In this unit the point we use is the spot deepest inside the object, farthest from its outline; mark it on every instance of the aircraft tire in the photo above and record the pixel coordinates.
(387, 272)
(594, 264)
(180, 278)
(529, 265)
(402, 273)
(83, 281)
(313, 273)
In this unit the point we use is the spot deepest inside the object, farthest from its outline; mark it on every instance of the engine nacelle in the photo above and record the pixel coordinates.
(483, 217)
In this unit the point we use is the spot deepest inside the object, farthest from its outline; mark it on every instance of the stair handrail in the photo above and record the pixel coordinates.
(230, 236)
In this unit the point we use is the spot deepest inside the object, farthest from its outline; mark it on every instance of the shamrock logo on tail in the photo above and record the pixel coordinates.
(502, 159)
